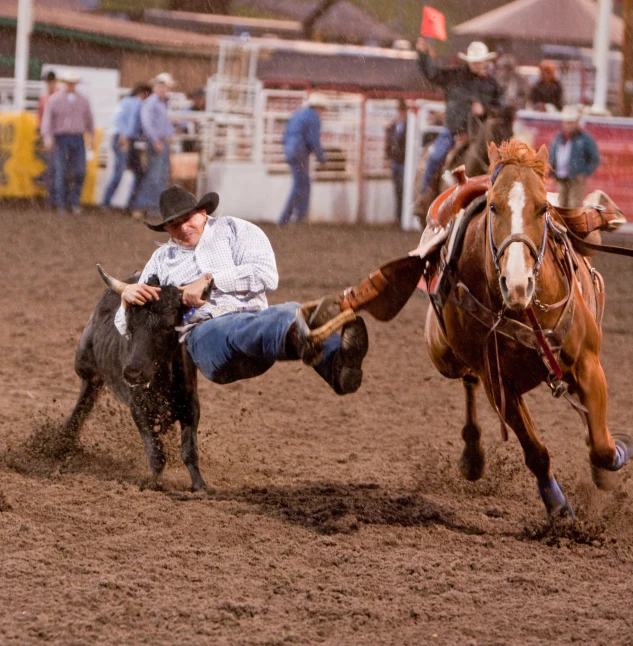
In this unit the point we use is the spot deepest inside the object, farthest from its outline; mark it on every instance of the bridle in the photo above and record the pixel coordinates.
(536, 253)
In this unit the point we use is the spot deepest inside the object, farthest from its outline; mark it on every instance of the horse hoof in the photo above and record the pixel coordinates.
(554, 499)
(472, 464)
(623, 450)
(604, 479)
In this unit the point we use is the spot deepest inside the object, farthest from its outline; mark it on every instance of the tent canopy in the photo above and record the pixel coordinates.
(570, 22)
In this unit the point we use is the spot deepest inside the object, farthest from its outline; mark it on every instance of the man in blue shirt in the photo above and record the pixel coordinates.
(302, 137)
(158, 130)
(126, 130)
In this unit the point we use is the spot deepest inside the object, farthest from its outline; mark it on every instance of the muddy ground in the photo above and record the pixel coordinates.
(334, 520)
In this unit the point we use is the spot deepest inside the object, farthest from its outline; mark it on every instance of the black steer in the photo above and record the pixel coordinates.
(150, 372)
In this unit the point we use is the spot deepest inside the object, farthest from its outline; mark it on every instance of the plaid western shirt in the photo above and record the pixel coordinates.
(235, 252)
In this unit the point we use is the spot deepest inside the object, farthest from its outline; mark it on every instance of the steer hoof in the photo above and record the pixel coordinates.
(152, 483)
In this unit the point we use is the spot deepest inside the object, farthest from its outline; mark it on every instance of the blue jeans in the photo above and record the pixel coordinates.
(397, 175)
(121, 162)
(441, 148)
(299, 197)
(241, 345)
(69, 167)
(156, 179)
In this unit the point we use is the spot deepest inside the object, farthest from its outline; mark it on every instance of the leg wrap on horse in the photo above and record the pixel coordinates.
(554, 498)
(623, 447)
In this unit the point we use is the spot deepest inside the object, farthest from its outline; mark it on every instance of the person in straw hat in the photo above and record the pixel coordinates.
(224, 267)
(469, 89)
(302, 137)
(66, 120)
(573, 157)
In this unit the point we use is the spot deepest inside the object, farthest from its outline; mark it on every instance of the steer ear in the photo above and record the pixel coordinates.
(114, 284)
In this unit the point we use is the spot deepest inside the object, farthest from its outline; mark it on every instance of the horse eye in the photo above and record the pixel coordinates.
(492, 207)
(543, 210)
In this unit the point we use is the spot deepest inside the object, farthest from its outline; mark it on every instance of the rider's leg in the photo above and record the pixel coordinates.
(441, 148)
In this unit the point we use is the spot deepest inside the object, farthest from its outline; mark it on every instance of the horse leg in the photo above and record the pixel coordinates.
(606, 452)
(473, 459)
(537, 457)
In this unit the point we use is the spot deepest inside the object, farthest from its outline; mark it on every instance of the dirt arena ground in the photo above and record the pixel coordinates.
(335, 520)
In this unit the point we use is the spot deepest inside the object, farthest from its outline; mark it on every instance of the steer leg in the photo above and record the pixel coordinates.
(71, 427)
(187, 407)
(153, 447)
(473, 459)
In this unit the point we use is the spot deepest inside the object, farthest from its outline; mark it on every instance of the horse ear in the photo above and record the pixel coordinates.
(493, 154)
(543, 154)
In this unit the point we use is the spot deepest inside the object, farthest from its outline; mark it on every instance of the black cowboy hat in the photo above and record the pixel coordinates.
(176, 202)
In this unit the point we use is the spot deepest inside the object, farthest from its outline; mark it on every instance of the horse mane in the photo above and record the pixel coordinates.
(520, 154)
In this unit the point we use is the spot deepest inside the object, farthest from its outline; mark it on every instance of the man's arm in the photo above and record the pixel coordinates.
(313, 137)
(47, 124)
(254, 270)
(429, 69)
(148, 119)
(136, 294)
(593, 156)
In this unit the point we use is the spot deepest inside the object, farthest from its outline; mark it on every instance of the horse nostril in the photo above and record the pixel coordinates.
(503, 284)
(530, 287)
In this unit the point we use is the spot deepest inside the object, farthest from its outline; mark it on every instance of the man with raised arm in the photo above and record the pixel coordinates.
(469, 90)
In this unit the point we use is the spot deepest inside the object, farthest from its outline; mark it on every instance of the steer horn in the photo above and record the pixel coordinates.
(114, 284)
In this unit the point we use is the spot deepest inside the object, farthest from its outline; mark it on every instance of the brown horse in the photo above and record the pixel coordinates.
(523, 307)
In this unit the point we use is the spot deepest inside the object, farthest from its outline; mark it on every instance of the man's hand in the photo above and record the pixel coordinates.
(123, 144)
(422, 45)
(478, 109)
(139, 294)
(192, 293)
(49, 144)
(159, 146)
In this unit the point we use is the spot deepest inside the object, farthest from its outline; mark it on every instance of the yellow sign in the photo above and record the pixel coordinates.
(23, 159)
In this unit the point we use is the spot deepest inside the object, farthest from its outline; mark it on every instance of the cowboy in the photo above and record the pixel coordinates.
(233, 334)
(573, 157)
(302, 136)
(67, 119)
(158, 129)
(395, 151)
(469, 90)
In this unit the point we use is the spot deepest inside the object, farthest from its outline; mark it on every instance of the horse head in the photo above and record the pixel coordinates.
(517, 219)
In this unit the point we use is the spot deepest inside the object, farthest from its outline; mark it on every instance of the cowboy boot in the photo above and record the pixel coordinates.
(347, 369)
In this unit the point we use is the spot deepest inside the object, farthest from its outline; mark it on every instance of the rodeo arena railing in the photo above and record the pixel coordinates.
(239, 138)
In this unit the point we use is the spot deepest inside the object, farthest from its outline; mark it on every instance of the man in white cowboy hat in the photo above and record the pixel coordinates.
(573, 157)
(158, 130)
(66, 120)
(302, 136)
(469, 89)
(224, 267)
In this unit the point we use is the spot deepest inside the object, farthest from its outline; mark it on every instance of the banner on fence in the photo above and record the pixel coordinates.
(23, 159)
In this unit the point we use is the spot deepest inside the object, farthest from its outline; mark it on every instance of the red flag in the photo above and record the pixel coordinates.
(433, 24)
